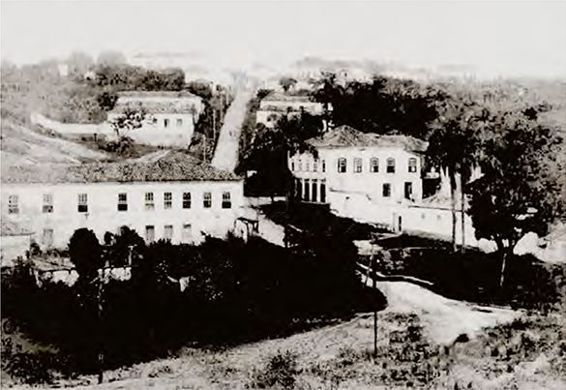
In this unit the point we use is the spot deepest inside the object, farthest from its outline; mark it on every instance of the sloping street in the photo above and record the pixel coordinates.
(226, 153)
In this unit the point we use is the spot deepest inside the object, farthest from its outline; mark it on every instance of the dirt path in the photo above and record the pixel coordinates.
(443, 319)
(226, 153)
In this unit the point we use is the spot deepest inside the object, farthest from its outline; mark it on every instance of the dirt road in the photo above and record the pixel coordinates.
(226, 153)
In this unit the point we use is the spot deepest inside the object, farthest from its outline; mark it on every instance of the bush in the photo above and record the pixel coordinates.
(279, 370)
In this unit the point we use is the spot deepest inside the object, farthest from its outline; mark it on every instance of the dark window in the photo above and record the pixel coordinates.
(323, 191)
(314, 190)
(292, 165)
(390, 165)
(207, 200)
(13, 204)
(226, 200)
(186, 200)
(408, 190)
(299, 188)
(342, 165)
(307, 190)
(83, 203)
(47, 203)
(374, 165)
(412, 164)
(149, 204)
(123, 202)
(165, 122)
(323, 165)
(386, 190)
(167, 200)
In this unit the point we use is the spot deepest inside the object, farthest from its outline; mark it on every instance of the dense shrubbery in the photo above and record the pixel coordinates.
(236, 291)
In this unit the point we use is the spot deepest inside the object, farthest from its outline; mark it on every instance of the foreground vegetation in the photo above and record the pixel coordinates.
(235, 292)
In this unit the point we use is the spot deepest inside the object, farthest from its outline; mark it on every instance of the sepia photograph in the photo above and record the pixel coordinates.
(310, 195)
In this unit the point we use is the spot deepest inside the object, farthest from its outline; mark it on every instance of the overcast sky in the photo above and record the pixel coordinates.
(496, 38)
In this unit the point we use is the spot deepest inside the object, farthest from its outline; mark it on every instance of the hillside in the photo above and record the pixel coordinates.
(22, 145)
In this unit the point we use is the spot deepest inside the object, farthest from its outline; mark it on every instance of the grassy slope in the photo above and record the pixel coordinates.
(526, 354)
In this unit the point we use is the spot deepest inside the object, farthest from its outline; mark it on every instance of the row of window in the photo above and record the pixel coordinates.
(48, 233)
(179, 122)
(315, 165)
(122, 205)
(342, 165)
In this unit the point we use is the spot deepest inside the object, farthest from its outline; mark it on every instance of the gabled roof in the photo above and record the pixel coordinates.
(346, 136)
(174, 102)
(173, 166)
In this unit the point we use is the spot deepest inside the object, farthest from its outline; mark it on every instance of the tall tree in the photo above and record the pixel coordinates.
(520, 190)
(454, 147)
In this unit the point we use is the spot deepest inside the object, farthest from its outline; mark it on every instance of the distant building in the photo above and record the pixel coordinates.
(175, 197)
(384, 169)
(171, 116)
(277, 104)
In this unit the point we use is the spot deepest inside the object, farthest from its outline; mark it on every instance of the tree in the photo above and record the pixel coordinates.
(520, 190)
(86, 254)
(130, 119)
(383, 106)
(287, 83)
(270, 147)
(454, 147)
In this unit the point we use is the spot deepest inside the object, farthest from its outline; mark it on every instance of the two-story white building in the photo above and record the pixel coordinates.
(277, 104)
(171, 116)
(351, 170)
(175, 197)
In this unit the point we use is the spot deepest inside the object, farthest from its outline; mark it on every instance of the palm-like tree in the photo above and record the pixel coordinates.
(453, 146)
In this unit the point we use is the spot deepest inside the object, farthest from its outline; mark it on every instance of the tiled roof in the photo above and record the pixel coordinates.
(155, 94)
(173, 166)
(174, 102)
(282, 97)
(156, 107)
(346, 136)
(10, 228)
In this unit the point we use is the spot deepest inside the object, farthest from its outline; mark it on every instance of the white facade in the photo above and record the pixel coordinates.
(162, 129)
(55, 211)
(358, 170)
(171, 117)
(276, 105)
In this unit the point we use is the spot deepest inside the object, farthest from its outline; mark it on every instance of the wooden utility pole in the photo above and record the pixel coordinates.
(375, 308)
(100, 329)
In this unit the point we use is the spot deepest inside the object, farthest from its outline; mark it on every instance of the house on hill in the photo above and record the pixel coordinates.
(277, 104)
(170, 119)
(174, 197)
(171, 116)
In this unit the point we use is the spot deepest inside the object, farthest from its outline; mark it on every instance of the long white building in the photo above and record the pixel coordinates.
(174, 197)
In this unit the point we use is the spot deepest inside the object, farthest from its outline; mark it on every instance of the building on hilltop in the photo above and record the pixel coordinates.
(170, 119)
(277, 104)
(171, 116)
(175, 197)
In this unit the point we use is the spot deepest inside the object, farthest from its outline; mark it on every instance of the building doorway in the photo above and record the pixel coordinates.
(408, 190)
